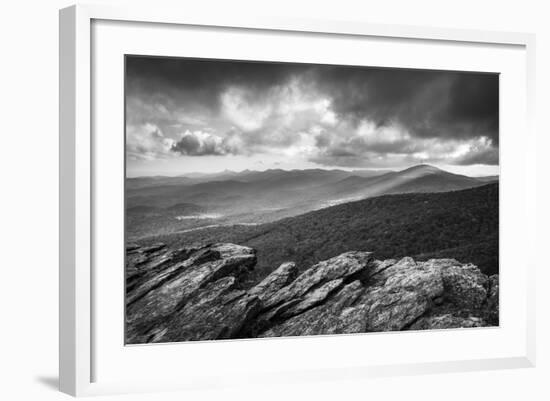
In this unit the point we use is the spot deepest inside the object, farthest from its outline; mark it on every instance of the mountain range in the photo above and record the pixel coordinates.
(256, 197)
(459, 224)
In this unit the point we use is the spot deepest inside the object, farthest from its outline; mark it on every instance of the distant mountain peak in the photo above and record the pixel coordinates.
(422, 170)
(424, 167)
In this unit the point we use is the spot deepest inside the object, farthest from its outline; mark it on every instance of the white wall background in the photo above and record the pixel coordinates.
(28, 210)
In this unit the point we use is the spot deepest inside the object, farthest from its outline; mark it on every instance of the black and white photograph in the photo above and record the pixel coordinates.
(271, 199)
(285, 200)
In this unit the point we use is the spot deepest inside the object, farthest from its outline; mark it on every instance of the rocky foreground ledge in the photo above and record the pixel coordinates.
(197, 293)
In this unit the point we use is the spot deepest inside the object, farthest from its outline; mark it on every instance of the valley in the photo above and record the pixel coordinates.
(164, 205)
(462, 225)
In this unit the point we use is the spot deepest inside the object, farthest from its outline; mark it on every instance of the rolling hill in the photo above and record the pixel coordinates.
(457, 224)
(420, 178)
(256, 197)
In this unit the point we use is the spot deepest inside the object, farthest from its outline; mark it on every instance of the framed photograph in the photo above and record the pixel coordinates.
(278, 200)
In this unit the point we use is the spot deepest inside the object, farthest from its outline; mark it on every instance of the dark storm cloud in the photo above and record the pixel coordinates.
(275, 106)
(428, 103)
(201, 79)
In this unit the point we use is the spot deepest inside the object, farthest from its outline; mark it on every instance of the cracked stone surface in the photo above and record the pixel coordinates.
(198, 293)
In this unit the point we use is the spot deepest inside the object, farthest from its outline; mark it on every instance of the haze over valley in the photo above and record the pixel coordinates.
(162, 205)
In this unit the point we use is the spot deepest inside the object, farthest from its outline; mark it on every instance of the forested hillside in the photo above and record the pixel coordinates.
(460, 224)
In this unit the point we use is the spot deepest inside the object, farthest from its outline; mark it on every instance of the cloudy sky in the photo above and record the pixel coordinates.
(190, 115)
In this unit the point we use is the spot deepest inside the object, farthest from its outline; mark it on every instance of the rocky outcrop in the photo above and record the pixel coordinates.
(281, 277)
(199, 293)
(447, 320)
(218, 311)
(177, 279)
(493, 298)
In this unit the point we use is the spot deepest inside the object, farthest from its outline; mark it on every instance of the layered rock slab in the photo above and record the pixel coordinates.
(159, 298)
(219, 311)
(397, 296)
(197, 293)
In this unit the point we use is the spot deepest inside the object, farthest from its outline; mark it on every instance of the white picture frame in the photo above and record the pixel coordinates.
(77, 367)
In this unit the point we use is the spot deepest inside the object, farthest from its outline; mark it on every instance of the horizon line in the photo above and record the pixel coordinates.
(389, 169)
